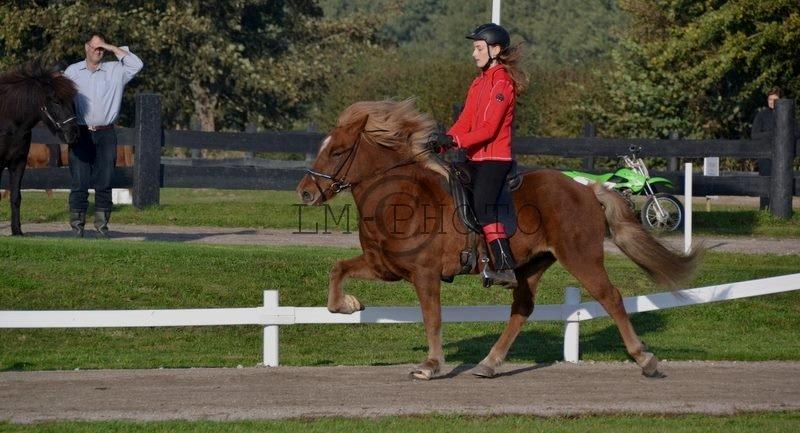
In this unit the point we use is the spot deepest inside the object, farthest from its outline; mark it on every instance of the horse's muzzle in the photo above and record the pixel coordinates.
(306, 190)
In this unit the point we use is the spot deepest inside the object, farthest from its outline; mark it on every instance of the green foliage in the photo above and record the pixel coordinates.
(701, 68)
(560, 32)
(440, 83)
(562, 41)
(436, 84)
(223, 64)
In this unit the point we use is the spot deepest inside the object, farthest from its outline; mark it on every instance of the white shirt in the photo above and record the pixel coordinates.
(100, 92)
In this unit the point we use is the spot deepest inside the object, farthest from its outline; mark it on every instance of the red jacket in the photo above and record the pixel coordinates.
(484, 126)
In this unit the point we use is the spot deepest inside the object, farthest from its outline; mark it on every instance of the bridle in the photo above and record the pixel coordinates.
(60, 125)
(339, 184)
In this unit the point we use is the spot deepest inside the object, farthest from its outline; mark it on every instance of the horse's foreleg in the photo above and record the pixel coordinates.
(528, 278)
(428, 290)
(357, 267)
(16, 170)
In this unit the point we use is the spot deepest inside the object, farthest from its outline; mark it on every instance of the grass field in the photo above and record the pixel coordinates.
(73, 274)
(278, 209)
(741, 423)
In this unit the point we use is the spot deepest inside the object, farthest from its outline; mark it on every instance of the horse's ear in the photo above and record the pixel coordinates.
(361, 124)
(56, 69)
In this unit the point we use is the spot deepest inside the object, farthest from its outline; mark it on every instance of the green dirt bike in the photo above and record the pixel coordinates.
(661, 211)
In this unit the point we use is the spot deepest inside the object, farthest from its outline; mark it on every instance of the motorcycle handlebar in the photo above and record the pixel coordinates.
(633, 149)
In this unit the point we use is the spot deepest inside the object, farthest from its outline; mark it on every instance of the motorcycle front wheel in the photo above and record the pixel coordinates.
(662, 212)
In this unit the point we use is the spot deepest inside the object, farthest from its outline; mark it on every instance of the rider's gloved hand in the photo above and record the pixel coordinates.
(440, 142)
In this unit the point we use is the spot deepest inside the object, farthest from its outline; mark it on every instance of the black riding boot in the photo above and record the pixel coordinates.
(77, 220)
(504, 264)
(101, 217)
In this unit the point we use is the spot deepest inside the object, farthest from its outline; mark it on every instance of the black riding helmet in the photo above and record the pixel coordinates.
(492, 33)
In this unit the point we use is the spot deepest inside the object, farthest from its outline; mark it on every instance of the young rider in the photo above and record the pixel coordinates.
(484, 130)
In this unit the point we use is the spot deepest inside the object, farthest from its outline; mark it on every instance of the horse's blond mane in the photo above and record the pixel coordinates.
(397, 125)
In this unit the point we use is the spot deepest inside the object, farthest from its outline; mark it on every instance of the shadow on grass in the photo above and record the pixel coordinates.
(90, 232)
(544, 347)
(17, 366)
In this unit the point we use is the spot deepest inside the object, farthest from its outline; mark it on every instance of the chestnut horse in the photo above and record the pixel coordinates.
(378, 151)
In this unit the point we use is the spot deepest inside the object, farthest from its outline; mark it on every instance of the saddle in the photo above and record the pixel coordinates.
(460, 188)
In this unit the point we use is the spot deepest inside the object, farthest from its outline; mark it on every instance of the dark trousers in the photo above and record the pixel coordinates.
(487, 183)
(91, 163)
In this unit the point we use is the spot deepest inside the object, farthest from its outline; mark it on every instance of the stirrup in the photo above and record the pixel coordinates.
(505, 278)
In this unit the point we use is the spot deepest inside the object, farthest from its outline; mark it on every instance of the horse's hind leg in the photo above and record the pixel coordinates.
(3, 193)
(528, 278)
(16, 170)
(587, 266)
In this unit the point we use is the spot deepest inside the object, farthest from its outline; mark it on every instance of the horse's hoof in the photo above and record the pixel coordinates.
(650, 365)
(425, 371)
(351, 304)
(483, 371)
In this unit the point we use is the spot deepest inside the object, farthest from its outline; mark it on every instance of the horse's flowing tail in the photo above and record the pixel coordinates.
(665, 267)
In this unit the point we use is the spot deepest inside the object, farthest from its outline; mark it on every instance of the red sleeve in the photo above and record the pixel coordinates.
(501, 97)
(462, 124)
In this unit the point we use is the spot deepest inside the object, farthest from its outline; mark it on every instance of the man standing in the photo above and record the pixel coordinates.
(763, 127)
(764, 122)
(93, 157)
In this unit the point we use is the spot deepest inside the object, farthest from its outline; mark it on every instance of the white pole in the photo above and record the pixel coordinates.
(687, 208)
(271, 331)
(496, 12)
(572, 298)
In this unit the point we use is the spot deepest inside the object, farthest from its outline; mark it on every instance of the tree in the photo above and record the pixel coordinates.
(699, 67)
(558, 32)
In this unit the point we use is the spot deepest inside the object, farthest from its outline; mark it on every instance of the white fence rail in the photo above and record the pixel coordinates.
(271, 315)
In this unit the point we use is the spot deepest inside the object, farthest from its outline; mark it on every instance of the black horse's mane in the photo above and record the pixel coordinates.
(27, 87)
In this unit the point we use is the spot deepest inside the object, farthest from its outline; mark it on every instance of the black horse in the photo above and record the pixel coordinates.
(28, 94)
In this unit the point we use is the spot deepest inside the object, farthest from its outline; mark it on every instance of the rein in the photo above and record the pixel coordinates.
(340, 184)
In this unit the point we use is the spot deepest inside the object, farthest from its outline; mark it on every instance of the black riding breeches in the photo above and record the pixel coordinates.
(488, 178)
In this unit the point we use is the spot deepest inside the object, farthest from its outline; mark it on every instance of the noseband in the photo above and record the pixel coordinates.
(59, 125)
(337, 184)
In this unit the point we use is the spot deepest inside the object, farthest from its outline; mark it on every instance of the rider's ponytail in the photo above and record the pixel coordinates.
(510, 58)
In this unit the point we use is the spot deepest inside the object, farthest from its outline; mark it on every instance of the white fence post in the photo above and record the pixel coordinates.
(496, 11)
(271, 331)
(687, 208)
(572, 298)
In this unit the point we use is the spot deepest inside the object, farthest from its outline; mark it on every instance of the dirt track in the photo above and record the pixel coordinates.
(289, 392)
(250, 236)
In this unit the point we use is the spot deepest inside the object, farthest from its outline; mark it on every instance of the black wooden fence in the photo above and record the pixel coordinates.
(149, 174)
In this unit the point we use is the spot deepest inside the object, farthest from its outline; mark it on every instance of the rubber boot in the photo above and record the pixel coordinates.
(77, 221)
(101, 217)
(504, 264)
